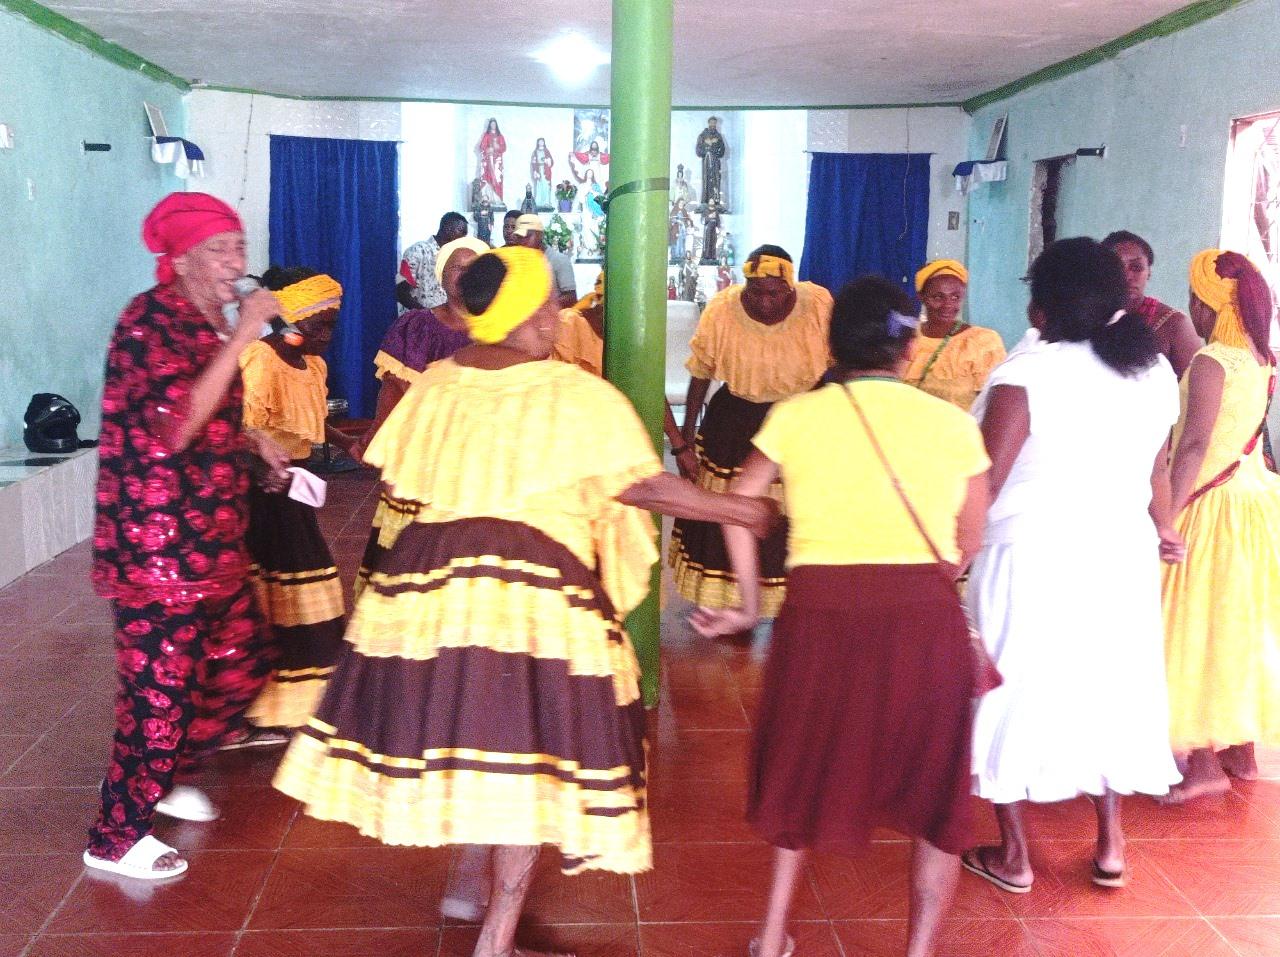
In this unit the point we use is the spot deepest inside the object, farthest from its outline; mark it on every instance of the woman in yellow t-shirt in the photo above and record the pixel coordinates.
(765, 340)
(295, 575)
(864, 721)
(950, 358)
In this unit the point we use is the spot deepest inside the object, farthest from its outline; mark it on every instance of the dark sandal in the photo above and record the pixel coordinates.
(1108, 878)
(971, 861)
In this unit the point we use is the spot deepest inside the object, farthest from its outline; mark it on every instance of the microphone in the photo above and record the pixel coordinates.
(246, 286)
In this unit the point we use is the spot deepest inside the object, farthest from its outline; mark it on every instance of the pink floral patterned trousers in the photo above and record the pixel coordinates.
(187, 674)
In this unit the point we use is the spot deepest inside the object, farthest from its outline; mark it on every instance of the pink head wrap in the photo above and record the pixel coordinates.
(182, 220)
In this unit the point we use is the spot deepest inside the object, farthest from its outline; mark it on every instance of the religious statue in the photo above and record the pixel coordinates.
(681, 188)
(689, 278)
(540, 166)
(680, 225)
(590, 209)
(711, 230)
(527, 205)
(489, 161)
(483, 216)
(711, 149)
(592, 161)
(724, 278)
(671, 288)
(727, 250)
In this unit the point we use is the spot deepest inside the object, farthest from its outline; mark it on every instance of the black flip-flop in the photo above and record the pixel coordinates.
(971, 861)
(1108, 878)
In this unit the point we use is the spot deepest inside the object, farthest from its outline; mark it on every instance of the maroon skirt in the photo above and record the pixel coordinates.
(865, 718)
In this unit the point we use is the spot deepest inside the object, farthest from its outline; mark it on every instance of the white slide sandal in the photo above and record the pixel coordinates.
(188, 804)
(140, 861)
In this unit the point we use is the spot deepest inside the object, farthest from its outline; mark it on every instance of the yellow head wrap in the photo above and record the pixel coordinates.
(767, 266)
(524, 289)
(941, 267)
(477, 246)
(593, 298)
(1219, 294)
(306, 298)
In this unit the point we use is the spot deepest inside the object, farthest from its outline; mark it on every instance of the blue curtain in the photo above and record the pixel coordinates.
(868, 213)
(335, 208)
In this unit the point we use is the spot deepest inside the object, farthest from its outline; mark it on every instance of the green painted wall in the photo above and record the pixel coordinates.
(70, 249)
(1137, 104)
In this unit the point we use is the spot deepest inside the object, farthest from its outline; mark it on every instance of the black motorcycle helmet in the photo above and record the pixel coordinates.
(51, 424)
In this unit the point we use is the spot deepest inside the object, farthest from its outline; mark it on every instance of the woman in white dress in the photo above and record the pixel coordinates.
(1066, 589)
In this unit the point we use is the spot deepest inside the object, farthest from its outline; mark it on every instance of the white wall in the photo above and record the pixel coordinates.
(942, 131)
(233, 131)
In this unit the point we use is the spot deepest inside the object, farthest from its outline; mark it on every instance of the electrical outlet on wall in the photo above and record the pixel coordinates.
(953, 220)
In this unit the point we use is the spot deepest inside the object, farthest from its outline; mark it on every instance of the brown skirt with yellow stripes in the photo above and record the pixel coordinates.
(698, 554)
(486, 694)
(301, 598)
(390, 517)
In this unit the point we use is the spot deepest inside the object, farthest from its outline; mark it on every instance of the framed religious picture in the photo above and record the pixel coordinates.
(590, 126)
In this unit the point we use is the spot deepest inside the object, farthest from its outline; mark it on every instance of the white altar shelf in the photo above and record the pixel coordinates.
(46, 506)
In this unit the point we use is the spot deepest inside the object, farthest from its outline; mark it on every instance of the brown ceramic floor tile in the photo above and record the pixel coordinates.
(354, 887)
(1127, 937)
(813, 939)
(958, 938)
(12, 945)
(1063, 887)
(875, 885)
(1250, 936)
(253, 818)
(134, 945)
(704, 708)
(247, 768)
(31, 886)
(405, 942)
(677, 753)
(1223, 878)
(14, 746)
(69, 756)
(213, 895)
(714, 882)
(686, 810)
(46, 820)
(307, 832)
(582, 940)
(1228, 816)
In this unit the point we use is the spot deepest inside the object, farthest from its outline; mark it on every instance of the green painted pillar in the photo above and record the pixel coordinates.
(636, 259)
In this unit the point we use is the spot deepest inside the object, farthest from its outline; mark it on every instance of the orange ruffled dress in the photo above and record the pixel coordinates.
(960, 369)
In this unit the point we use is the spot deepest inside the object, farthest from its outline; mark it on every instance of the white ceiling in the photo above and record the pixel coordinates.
(728, 52)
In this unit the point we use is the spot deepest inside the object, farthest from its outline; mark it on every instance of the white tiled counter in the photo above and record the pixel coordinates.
(46, 506)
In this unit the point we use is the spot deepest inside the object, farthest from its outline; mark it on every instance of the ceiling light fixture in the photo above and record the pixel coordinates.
(571, 58)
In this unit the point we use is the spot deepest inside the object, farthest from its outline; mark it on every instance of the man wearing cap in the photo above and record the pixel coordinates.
(528, 232)
(168, 542)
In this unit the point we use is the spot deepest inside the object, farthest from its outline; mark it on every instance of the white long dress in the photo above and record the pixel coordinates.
(1066, 589)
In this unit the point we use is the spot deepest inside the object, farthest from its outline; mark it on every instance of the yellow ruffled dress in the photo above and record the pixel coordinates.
(578, 343)
(958, 372)
(488, 693)
(1222, 605)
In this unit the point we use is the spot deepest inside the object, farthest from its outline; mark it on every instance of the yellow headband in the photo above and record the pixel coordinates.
(1219, 294)
(477, 246)
(767, 266)
(941, 267)
(524, 289)
(306, 298)
(593, 298)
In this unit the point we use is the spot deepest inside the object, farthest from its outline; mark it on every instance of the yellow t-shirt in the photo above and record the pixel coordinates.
(840, 501)
(961, 369)
(762, 363)
(288, 404)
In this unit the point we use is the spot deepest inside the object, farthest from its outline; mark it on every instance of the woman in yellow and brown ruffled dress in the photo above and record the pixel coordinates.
(951, 359)
(1222, 605)
(295, 575)
(487, 693)
(766, 341)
